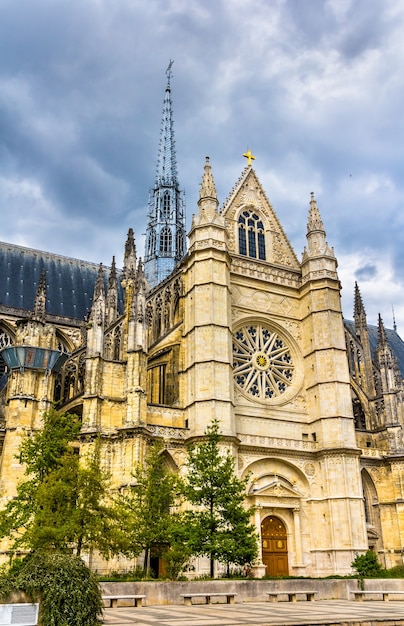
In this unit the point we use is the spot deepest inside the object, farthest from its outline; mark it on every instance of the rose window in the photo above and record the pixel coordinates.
(262, 362)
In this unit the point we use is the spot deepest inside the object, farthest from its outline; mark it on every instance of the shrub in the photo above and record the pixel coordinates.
(68, 592)
(396, 572)
(367, 566)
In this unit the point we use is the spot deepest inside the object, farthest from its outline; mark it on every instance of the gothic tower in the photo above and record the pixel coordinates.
(165, 232)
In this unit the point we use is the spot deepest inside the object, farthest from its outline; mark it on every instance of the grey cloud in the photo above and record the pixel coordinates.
(366, 272)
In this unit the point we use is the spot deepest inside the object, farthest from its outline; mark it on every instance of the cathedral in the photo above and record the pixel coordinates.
(222, 321)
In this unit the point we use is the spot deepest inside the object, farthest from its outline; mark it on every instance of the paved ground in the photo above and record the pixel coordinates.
(261, 614)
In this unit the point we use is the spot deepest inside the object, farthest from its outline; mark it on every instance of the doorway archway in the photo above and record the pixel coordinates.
(274, 546)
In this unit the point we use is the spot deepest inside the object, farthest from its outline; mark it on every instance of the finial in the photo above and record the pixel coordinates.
(394, 319)
(168, 70)
(249, 156)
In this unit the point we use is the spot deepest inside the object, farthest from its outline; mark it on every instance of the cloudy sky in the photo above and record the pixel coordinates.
(315, 88)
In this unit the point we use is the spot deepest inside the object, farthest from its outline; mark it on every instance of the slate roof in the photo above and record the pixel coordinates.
(393, 338)
(70, 282)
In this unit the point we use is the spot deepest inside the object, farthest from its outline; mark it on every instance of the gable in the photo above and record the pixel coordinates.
(248, 202)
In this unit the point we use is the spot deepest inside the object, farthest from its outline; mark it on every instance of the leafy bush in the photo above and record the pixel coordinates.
(367, 566)
(396, 572)
(138, 573)
(68, 592)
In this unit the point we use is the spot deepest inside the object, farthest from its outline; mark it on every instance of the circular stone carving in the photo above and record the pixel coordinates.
(310, 469)
(262, 362)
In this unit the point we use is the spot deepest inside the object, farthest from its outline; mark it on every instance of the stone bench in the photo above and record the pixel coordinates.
(274, 595)
(208, 595)
(19, 614)
(359, 595)
(112, 600)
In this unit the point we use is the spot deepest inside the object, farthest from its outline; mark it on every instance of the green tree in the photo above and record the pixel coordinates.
(62, 501)
(220, 526)
(147, 506)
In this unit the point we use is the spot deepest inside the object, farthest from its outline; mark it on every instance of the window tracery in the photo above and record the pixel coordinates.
(262, 362)
(251, 235)
(151, 250)
(165, 240)
(166, 205)
(113, 343)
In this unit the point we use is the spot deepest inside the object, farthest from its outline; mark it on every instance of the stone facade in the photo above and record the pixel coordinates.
(243, 332)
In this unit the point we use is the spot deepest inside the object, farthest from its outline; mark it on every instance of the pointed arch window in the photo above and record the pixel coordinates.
(151, 248)
(251, 235)
(166, 204)
(165, 240)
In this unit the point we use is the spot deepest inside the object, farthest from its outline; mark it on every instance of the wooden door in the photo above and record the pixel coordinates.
(274, 546)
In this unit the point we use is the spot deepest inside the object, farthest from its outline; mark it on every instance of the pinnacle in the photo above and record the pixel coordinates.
(314, 222)
(208, 201)
(359, 309)
(99, 283)
(208, 189)
(382, 332)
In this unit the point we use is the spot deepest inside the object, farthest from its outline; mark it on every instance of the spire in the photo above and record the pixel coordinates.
(97, 313)
(359, 309)
(389, 371)
(382, 338)
(99, 289)
(208, 201)
(165, 232)
(315, 223)
(394, 320)
(129, 261)
(112, 294)
(39, 312)
(166, 161)
(316, 242)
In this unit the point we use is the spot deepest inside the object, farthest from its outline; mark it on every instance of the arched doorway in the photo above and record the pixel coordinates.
(274, 546)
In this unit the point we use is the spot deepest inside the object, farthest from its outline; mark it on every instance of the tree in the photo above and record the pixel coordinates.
(146, 506)
(62, 501)
(220, 526)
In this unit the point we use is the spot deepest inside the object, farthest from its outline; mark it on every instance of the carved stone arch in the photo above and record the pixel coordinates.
(360, 407)
(7, 334)
(64, 342)
(372, 511)
(113, 340)
(69, 381)
(168, 462)
(265, 473)
(7, 338)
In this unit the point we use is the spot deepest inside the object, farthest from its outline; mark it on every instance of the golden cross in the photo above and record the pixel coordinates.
(248, 155)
